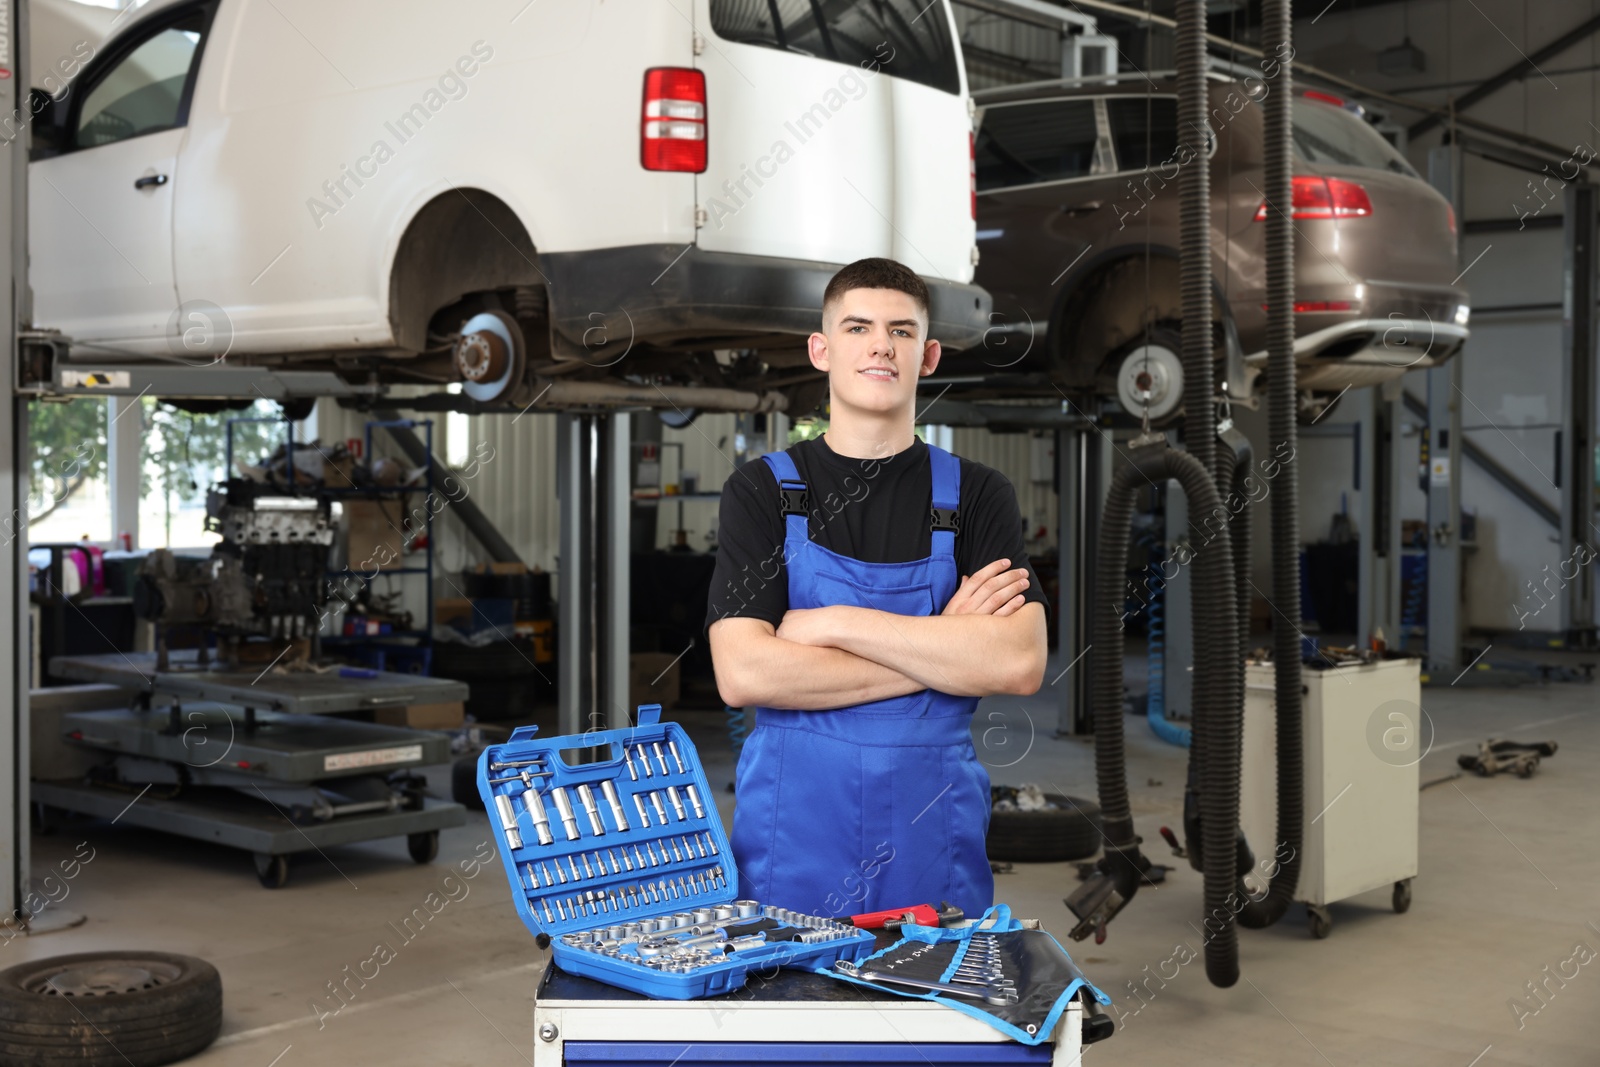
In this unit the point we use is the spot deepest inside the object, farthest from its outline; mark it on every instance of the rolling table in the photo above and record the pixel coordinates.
(250, 759)
(791, 1018)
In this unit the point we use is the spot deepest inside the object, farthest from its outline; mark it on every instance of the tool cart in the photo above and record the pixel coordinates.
(252, 761)
(617, 862)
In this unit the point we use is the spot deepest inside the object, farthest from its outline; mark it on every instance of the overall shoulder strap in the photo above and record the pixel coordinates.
(793, 498)
(945, 516)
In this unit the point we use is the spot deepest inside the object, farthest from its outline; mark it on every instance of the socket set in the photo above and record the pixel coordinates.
(625, 866)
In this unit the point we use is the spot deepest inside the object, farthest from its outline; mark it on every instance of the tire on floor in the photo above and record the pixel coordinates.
(1069, 831)
(108, 1009)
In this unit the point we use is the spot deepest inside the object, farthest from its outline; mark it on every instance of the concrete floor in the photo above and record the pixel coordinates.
(1509, 883)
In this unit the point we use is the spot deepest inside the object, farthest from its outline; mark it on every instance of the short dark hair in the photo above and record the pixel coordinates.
(876, 273)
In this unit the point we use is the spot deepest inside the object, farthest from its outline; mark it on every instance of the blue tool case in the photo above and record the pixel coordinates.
(623, 863)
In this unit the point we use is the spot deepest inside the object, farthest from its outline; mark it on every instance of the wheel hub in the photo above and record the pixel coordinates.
(481, 356)
(102, 979)
(1150, 379)
(489, 356)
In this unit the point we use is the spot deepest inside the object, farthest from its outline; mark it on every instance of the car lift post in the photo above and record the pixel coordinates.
(1378, 481)
(1444, 471)
(14, 843)
(594, 493)
(1081, 476)
(1575, 455)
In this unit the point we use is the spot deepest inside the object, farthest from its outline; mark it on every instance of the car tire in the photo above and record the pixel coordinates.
(108, 1009)
(1071, 831)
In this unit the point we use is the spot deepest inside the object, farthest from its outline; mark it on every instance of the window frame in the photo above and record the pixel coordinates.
(129, 43)
(1117, 157)
(1104, 161)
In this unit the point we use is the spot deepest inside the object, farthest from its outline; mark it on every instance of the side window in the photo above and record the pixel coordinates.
(1144, 130)
(1024, 144)
(145, 90)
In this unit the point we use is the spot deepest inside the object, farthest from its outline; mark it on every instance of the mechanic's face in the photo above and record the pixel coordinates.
(874, 346)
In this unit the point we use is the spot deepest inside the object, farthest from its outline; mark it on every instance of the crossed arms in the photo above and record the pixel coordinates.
(988, 640)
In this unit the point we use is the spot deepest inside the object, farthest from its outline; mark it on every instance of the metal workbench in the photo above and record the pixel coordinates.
(791, 1018)
(251, 759)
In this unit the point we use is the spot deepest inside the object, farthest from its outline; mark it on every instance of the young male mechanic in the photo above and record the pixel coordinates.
(869, 588)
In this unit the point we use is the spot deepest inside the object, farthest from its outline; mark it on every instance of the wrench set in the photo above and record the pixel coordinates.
(625, 867)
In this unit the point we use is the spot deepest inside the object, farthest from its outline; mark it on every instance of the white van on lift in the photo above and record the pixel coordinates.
(625, 198)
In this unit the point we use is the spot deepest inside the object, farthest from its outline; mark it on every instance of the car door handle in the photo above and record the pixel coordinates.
(1087, 208)
(149, 180)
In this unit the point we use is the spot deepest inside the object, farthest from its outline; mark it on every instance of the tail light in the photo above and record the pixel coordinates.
(1324, 198)
(1450, 216)
(1303, 306)
(972, 171)
(672, 128)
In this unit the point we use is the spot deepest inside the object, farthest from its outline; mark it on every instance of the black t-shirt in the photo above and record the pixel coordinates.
(873, 510)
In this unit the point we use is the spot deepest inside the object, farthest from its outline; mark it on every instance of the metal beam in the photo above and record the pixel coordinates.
(1515, 72)
(1108, 8)
(1575, 448)
(1494, 469)
(1035, 13)
(1001, 417)
(1545, 164)
(465, 509)
(216, 381)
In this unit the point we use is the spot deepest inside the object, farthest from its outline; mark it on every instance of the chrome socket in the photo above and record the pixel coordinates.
(694, 801)
(569, 821)
(677, 804)
(508, 820)
(614, 802)
(536, 812)
(591, 809)
(672, 746)
(644, 816)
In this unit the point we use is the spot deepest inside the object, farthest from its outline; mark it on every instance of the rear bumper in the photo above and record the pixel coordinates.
(605, 301)
(1393, 329)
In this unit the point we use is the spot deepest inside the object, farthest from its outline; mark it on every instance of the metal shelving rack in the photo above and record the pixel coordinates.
(419, 639)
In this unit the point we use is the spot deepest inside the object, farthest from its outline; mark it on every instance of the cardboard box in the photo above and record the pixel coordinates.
(374, 536)
(423, 716)
(447, 610)
(653, 678)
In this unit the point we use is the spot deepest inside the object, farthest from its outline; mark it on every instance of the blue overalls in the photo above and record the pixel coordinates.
(878, 805)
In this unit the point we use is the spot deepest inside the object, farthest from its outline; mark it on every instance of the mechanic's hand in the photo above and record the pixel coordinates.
(992, 591)
(805, 626)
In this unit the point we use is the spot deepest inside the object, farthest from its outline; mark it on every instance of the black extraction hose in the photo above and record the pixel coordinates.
(1278, 179)
(1214, 750)
(1220, 557)
(1217, 698)
(1194, 236)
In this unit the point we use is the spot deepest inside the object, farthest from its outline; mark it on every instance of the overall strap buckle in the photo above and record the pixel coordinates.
(945, 519)
(796, 500)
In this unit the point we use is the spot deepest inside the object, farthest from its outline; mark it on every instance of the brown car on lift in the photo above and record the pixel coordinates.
(1078, 234)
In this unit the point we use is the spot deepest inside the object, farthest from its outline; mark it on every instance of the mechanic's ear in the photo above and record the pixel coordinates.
(817, 349)
(930, 358)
